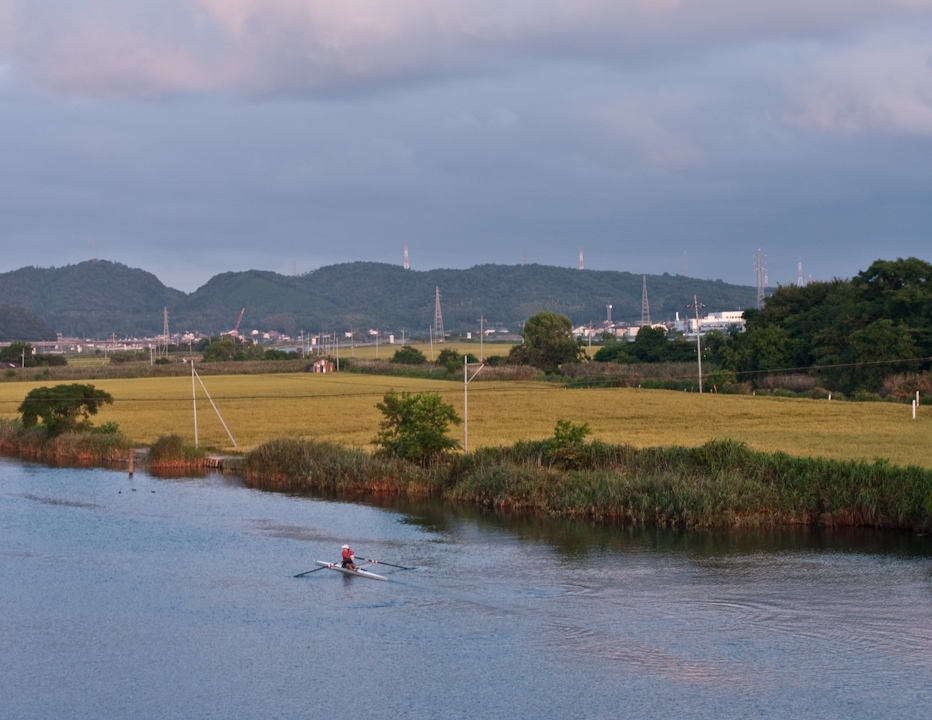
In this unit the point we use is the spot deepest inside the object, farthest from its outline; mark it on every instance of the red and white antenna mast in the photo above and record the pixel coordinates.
(407, 267)
(799, 280)
(580, 259)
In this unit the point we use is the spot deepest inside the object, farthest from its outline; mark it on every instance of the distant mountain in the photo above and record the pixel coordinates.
(91, 299)
(96, 299)
(17, 323)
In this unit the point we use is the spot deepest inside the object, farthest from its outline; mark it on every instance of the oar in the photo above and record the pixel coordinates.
(322, 567)
(380, 562)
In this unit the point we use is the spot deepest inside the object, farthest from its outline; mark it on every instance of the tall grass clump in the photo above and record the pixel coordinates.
(90, 447)
(720, 484)
(171, 451)
(307, 465)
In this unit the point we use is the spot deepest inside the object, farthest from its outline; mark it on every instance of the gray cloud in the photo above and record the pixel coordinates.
(196, 136)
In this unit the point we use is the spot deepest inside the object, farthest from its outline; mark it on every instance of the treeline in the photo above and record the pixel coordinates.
(870, 334)
(22, 355)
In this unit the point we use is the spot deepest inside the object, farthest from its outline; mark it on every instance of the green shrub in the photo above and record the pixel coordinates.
(173, 451)
(408, 355)
(567, 448)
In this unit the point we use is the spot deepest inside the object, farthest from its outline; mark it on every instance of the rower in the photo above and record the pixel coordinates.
(348, 559)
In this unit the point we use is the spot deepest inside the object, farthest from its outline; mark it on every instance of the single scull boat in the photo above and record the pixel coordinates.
(347, 571)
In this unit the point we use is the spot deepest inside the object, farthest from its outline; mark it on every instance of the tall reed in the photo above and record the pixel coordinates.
(87, 447)
(721, 483)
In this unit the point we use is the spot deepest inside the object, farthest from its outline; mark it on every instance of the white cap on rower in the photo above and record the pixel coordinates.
(346, 547)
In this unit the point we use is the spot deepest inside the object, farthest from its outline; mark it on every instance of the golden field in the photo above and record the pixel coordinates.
(385, 350)
(341, 408)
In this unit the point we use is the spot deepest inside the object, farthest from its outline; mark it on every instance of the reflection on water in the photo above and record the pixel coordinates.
(157, 597)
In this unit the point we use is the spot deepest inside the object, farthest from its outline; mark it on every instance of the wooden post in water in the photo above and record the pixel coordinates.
(132, 455)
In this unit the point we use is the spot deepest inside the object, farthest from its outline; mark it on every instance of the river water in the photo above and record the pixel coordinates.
(174, 598)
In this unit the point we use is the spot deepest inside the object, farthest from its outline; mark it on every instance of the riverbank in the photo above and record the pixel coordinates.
(719, 484)
(722, 483)
(85, 447)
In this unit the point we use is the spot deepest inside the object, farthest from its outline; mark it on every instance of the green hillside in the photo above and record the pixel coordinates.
(92, 298)
(96, 299)
(17, 323)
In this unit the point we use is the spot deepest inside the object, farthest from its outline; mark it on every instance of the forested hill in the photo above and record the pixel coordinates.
(17, 323)
(91, 299)
(96, 299)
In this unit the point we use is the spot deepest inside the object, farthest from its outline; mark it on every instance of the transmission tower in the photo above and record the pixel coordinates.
(799, 280)
(761, 277)
(645, 308)
(580, 259)
(438, 318)
(165, 331)
(407, 267)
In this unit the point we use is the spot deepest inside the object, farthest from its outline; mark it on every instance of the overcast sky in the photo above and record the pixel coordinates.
(193, 137)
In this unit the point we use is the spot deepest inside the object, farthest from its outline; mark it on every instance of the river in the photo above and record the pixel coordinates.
(175, 598)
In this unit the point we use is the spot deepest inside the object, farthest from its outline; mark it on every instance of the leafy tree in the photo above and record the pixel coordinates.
(650, 344)
(14, 353)
(62, 408)
(415, 426)
(614, 352)
(549, 341)
(273, 354)
(453, 361)
(517, 355)
(220, 351)
(249, 351)
(409, 355)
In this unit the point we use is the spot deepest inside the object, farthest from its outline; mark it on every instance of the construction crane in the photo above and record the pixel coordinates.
(235, 330)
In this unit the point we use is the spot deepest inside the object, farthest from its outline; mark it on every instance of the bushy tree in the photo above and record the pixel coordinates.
(16, 352)
(409, 356)
(62, 408)
(614, 352)
(549, 341)
(415, 426)
(453, 361)
(220, 350)
(273, 354)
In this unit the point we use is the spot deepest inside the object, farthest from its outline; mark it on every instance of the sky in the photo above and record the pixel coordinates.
(194, 137)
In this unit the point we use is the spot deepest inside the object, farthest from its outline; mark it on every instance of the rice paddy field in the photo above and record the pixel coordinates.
(340, 408)
(385, 350)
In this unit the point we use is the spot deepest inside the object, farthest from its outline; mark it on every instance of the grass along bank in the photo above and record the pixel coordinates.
(718, 484)
(85, 447)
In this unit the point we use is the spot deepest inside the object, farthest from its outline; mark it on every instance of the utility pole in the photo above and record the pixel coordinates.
(481, 334)
(696, 304)
(466, 381)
